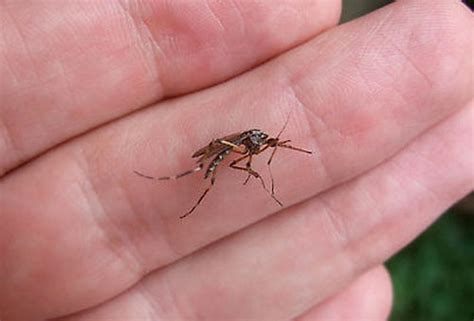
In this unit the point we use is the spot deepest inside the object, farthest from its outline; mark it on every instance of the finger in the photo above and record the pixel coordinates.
(134, 224)
(70, 67)
(282, 266)
(369, 298)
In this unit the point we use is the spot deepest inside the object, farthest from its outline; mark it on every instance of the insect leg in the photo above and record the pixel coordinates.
(284, 145)
(235, 148)
(213, 179)
(274, 150)
(164, 178)
(270, 168)
(248, 166)
(250, 171)
(144, 176)
(247, 169)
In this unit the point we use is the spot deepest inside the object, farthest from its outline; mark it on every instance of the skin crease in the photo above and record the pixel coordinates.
(384, 106)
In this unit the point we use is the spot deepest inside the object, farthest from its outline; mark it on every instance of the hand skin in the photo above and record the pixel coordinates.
(92, 90)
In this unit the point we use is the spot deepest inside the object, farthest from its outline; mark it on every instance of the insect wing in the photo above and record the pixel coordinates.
(215, 147)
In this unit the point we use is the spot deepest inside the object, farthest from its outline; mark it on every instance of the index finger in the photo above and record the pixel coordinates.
(69, 66)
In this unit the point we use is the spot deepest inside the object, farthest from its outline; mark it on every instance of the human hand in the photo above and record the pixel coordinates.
(385, 102)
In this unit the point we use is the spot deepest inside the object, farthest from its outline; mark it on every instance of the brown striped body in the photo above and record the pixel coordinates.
(247, 144)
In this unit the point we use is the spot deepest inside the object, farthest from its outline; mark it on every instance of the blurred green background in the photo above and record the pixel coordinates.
(433, 277)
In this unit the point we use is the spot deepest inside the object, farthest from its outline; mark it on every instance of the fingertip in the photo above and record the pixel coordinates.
(368, 298)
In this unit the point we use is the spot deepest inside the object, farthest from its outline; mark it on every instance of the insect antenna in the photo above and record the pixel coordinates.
(276, 143)
(274, 150)
(286, 124)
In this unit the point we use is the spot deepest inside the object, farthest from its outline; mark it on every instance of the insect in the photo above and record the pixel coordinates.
(247, 144)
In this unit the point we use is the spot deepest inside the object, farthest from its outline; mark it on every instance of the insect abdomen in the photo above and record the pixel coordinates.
(215, 162)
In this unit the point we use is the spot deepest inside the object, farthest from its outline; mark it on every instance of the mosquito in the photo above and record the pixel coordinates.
(247, 144)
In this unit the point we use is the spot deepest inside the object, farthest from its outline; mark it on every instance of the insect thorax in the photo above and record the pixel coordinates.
(255, 139)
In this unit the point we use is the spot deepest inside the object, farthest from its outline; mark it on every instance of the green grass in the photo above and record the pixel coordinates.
(352, 9)
(434, 276)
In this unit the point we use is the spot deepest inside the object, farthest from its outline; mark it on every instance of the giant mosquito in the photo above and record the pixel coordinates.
(247, 144)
